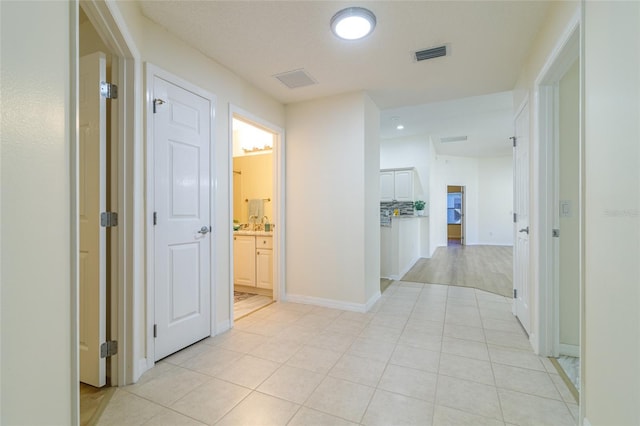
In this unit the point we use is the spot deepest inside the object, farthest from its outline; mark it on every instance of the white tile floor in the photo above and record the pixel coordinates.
(425, 355)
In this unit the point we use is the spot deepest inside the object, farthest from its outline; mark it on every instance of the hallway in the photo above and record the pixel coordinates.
(425, 355)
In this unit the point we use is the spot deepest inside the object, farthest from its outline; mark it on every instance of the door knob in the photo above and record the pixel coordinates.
(204, 230)
(525, 230)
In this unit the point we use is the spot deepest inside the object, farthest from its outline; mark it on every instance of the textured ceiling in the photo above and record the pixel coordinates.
(488, 42)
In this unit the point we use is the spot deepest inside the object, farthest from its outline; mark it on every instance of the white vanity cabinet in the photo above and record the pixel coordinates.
(253, 261)
(244, 260)
(396, 184)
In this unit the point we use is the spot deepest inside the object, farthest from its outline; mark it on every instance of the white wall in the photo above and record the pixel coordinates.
(488, 207)
(611, 350)
(37, 346)
(159, 47)
(328, 169)
(371, 200)
(447, 171)
(495, 200)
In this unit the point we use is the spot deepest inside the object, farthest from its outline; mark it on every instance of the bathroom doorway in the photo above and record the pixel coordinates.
(255, 213)
(455, 215)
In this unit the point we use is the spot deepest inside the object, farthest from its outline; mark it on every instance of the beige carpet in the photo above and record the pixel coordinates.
(488, 268)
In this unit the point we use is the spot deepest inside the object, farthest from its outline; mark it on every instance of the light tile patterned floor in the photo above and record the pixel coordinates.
(425, 355)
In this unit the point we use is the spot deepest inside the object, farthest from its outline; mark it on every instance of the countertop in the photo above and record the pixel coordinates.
(402, 216)
(254, 233)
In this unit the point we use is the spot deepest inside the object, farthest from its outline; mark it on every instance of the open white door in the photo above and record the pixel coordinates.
(521, 266)
(182, 215)
(92, 201)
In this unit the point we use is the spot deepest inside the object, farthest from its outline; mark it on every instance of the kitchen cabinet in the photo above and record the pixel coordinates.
(244, 260)
(396, 185)
(253, 261)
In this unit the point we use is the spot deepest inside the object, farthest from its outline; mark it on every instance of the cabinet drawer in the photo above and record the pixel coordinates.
(264, 242)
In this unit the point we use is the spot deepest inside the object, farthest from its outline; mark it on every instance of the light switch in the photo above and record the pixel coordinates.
(565, 208)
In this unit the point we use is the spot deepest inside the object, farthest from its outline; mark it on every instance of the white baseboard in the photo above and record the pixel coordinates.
(569, 350)
(222, 327)
(407, 268)
(372, 301)
(327, 303)
(144, 364)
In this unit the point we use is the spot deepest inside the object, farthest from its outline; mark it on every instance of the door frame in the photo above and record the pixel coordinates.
(545, 154)
(151, 72)
(463, 219)
(279, 287)
(124, 142)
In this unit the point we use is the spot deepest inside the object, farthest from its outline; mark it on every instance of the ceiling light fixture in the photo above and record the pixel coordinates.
(353, 23)
(400, 127)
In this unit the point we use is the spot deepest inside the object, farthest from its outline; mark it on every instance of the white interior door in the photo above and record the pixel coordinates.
(182, 238)
(521, 267)
(92, 201)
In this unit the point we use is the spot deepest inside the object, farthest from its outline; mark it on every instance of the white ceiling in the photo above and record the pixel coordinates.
(488, 43)
(486, 121)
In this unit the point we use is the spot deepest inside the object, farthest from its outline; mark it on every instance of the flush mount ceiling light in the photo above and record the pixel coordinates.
(353, 23)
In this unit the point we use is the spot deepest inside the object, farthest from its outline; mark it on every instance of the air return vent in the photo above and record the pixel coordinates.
(453, 139)
(295, 79)
(436, 52)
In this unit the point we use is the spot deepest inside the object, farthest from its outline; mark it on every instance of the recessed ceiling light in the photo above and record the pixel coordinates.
(400, 127)
(353, 23)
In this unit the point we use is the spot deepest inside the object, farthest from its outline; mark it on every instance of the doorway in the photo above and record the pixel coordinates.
(98, 32)
(455, 215)
(97, 194)
(560, 210)
(255, 210)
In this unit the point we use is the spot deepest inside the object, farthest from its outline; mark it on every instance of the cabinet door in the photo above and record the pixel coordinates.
(244, 261)
(264, 268)
(403, 185)
(386, 186)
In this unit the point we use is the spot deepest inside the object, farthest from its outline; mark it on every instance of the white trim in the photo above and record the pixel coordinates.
(372, 301)
(569, 350)
(111, 26)
(330, 303)
(404, 271)
(278, 152)
(222, 326)
(545, 137)
(151, 72)
(72, 115)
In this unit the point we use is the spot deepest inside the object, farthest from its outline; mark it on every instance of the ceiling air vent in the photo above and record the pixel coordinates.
(436, 52)
(453, 139)
(295, 79)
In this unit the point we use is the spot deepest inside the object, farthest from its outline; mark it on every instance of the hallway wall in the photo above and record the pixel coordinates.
(161, 48)
(611, 328)
(37, 345)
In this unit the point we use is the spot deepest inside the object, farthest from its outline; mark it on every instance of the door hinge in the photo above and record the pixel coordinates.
(513, 139)
(157, 101)
(155, 218)
(108, 90)
(555, 233)
(155, 330)
(515, 218)
(108, 219)
(108, 348)
(515, 293)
